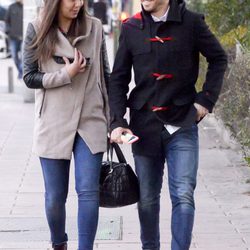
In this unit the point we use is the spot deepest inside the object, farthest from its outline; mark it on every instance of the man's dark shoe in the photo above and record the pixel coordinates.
(60, 247)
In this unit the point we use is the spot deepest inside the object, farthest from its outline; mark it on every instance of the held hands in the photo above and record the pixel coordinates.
(201, 111)
(78, 65)
(116, 134)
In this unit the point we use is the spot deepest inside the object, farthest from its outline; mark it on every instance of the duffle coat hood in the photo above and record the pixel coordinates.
(65, 106)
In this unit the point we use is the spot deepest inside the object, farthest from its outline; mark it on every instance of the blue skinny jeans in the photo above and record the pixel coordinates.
(56, 180)
(180, 150)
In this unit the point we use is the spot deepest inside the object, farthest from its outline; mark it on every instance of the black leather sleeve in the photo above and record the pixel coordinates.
(106, 67)
(32, 77)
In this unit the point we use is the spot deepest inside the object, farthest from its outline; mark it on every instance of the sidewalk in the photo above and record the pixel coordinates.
(222, 194)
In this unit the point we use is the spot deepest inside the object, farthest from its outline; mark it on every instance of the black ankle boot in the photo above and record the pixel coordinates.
(60, 247)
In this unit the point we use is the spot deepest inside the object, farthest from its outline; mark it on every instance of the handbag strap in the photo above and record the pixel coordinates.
(108, 149)
(118, 152)
(115, 147)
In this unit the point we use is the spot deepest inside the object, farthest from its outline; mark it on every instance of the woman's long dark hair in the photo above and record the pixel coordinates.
(47, 38)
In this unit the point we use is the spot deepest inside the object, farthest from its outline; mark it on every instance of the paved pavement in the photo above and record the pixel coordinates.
(222, 194)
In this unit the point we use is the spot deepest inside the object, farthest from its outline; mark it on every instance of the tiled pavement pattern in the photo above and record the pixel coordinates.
(222, 195)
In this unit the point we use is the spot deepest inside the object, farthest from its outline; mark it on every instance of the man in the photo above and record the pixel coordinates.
(100, 10)
(162, 44)
(14, 29)
(124, 4)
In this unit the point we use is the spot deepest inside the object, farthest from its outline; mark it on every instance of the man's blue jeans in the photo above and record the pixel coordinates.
(56, 179)
(15, 50)
(181, 153)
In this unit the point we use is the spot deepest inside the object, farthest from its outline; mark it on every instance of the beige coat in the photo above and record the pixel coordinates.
(67, 106)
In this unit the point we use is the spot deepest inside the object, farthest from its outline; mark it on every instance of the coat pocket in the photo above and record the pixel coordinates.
(42, 103)
(182, 58)
(183, 100)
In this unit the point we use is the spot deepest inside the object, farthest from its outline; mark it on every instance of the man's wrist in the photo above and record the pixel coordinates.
(203, 101)
(118, 123)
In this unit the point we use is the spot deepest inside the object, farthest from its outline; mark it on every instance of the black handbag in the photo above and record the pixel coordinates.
(118, 183)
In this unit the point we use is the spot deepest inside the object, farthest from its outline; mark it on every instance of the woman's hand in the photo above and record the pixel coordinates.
(78, 65)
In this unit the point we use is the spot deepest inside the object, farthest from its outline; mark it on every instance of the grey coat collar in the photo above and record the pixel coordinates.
(89, 23)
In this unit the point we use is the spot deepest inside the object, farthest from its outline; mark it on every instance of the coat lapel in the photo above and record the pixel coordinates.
(65, 48)
(89, 24)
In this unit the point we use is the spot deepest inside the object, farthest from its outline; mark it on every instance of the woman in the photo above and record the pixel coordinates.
(65, 60)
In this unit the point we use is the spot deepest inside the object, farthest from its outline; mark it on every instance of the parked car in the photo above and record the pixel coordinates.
(6, 3)
(2, 13)
(4, 51)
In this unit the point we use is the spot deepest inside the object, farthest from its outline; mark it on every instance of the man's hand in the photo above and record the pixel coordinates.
(116, 134)
(201, 111)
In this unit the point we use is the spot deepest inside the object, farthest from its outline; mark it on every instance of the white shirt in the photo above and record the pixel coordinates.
(162, 18)
(170, 128)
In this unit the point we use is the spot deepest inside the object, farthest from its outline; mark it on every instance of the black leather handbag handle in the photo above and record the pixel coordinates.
(114, 146)
(118, 152)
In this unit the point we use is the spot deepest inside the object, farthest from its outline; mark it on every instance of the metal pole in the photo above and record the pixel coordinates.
(10, 80)
(116, 23)
(131, 6)
(116, 35)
